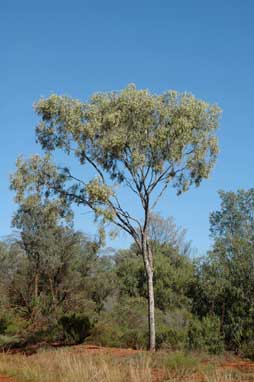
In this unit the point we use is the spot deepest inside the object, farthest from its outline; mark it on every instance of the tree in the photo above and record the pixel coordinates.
(40, 222)
(164, 232)
(236, 216)
(130, 138)
(54, 257)
(173, 270)
(225, 278)
(173, 273)
(46, 267)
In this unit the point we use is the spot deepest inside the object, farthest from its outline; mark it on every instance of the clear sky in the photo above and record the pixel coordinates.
(79, 47)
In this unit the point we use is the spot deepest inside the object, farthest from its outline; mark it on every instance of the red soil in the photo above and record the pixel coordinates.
(93, 349)
(241, 365)
(244, 366)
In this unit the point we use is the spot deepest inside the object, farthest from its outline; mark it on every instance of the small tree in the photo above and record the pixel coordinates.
(132, 138)
(40, 229)
(46, 264)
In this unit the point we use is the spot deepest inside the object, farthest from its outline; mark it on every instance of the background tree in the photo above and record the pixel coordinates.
(54, 259)
(132, 138)
(164, 232)
(225, 278)
(39, 225)
(173, 269)
(173, 274)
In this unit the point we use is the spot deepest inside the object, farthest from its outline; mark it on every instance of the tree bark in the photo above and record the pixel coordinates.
(222, 318)
(151, 313)
(36, 286)
(148, 262)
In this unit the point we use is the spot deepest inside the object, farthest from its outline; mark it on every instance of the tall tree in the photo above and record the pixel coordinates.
(225, 278)
(131, 138)
(235, 217)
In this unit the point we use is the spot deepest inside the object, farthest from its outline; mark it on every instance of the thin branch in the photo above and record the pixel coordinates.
(124, 212)
(72, 176)
(160, 178)
(160, 194)
(96, 168)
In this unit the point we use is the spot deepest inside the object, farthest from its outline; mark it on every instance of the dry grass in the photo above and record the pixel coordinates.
(228, 376)
(61, 366)
(66, 366)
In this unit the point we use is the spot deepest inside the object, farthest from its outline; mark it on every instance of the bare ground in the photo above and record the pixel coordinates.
(230, 364)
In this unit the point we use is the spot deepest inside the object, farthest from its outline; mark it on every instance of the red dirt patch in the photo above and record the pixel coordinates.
(93, 349)
(241, 365)
(246, 368)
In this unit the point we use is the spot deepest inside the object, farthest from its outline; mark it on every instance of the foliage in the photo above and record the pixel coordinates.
(3, 325)
(51, 274)
(235, 217)
(125, 326)
(132, 138)
(173, 274)
(76, 328)
(246, 349)
(225, 278)
(205, 335)
(177, 362)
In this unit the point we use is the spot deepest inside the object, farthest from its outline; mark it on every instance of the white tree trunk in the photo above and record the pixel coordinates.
(151, 313)
(148, 262)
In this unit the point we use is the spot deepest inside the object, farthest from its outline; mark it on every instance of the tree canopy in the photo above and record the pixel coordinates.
(134, 138)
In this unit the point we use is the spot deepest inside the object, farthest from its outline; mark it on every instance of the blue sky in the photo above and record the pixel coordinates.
(79, 47)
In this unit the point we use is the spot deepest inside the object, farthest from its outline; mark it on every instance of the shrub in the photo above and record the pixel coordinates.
(171, 330)
(195, 340)
(212, 334)
(76, 327)
(3, 325)
(177, 361)
(106, 332)
(124, 326)
(246, 349)
(205, 335)
(169, 338)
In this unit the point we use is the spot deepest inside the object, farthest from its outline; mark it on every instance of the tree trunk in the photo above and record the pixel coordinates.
(222, 318)
(148, 262)
(36, 286)
(151, 317)
(51, 285)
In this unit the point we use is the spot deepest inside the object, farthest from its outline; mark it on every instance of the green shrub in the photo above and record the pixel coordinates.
(205, 335)
(124, 326)
(246, 349)
(171, 329)
(195, 338)
(135, 338)
(169, 338)
(106, 332)
(76, 327)
(3, 325)
(177, 361)
(212, 334)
